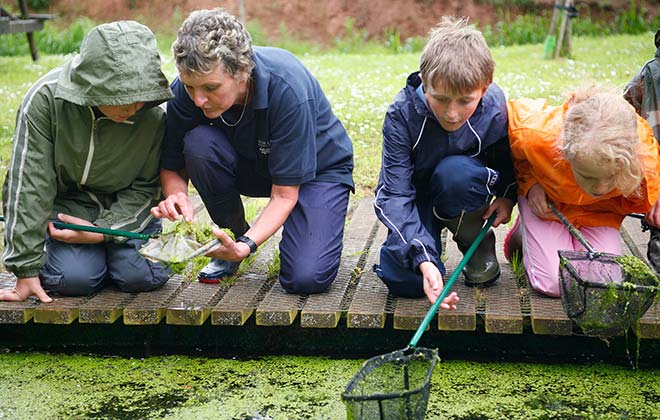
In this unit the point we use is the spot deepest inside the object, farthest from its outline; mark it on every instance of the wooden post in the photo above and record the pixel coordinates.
(562, 29)
(30, 35)
(241, 11)
(551, 39)
(569, 31)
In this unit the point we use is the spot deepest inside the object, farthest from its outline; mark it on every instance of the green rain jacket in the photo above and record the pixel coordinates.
(65, 160)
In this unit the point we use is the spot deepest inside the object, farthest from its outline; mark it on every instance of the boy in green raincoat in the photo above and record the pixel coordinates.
(86, 150)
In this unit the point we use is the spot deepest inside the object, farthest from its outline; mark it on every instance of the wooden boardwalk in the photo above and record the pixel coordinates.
(356, 300)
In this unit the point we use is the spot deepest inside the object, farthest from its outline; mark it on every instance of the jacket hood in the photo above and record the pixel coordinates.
(118, 64)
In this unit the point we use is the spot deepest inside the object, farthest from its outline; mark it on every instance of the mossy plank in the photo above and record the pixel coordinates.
(16, 314)
(105, 307)
(635, 240)
(99, 315)
(143, 316)
(464, 318)
(62, 310)
(502, 313)
(368, 305)
(193, 305)
(548, 316)
(149, 308)
(410, 313)
(240, 301)
(278, 308)
(187, 315)
(323, 310)
(273, 317)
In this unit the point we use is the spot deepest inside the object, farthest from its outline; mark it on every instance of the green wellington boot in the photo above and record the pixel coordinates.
(483, 268)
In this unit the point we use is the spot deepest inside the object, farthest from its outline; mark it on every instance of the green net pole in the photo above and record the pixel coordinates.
(450, 282)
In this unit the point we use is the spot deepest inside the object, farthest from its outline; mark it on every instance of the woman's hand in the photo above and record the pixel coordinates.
(25, 287)
(229, 250)
(74, 236)
(433, 286)
(538, 202)
(173, 206)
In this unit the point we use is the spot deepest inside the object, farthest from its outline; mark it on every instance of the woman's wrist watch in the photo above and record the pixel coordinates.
(249, 242)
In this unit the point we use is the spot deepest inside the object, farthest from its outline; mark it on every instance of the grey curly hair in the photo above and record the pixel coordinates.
(211, 37)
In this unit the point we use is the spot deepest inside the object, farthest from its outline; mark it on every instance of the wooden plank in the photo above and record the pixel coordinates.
(193, 305)
(150, 308)
(240, 301)
(548, 315)
(410, 313)
(8, 26)
(62, 310)
(278, 308)
(464, 318)
(368, 306)
(323, 310)
(636, 242)
(15, 312)
(502, 311)
(105, 307)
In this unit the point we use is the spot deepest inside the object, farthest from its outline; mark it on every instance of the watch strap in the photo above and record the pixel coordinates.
(249, 242)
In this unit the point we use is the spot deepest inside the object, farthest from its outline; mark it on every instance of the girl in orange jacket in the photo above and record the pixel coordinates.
(595, 159)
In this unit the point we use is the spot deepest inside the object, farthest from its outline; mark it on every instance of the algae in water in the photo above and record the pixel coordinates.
(43, 386)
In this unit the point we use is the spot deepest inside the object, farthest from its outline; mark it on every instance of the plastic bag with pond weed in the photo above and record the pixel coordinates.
(606, 294)
(393, 386)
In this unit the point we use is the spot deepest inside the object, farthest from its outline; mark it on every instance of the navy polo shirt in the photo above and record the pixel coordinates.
(307, 140)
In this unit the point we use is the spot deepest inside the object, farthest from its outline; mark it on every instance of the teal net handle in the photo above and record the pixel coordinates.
(445, 291)
(96, 229)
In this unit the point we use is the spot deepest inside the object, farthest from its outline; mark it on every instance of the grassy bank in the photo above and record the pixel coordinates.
(360, 86)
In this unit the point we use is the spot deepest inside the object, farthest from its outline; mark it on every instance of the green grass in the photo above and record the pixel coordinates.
(361, 86)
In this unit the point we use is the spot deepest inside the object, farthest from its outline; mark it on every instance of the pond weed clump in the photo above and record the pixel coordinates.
(175, 246)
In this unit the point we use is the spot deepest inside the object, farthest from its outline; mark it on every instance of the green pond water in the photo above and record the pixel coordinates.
(55, 386)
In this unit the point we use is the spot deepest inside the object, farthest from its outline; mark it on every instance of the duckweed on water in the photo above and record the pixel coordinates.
(41, 386)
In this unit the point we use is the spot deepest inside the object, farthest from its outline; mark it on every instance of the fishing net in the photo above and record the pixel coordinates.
(177, 243)
(393, 386)
(605, 294)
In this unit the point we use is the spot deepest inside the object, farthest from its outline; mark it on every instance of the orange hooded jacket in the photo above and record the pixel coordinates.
(534, 127)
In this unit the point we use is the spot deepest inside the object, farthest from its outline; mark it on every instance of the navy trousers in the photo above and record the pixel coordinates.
(311, 243)
(83, 269)
(459, 183)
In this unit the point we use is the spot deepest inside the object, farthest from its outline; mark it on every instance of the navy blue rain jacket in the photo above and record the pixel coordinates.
(413, 144)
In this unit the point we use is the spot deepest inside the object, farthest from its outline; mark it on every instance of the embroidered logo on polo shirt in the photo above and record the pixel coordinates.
(263, 147)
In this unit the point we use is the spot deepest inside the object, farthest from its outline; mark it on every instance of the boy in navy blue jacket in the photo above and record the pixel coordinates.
(445, 156)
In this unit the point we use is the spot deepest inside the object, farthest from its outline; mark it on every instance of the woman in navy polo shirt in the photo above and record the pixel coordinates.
(254, 121)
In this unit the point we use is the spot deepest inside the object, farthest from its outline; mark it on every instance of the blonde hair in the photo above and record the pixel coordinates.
(602, 127)
(212, 37)
(456, 56)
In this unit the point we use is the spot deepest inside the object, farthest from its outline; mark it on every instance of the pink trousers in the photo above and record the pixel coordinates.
(543, 238)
